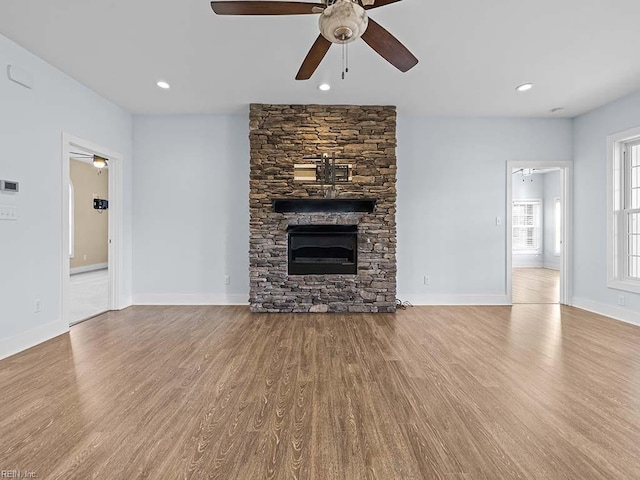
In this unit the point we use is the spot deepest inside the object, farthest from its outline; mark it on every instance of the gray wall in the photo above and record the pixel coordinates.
(590, 218)
(451, 188)
(191, 209)
(31, 126)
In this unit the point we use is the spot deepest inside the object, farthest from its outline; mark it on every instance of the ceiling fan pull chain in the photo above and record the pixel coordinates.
(347, 58)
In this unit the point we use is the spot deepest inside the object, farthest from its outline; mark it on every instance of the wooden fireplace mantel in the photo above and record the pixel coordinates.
(310, 205)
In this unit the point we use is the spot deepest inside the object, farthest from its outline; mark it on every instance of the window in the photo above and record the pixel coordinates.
(624, 214)
(526, 227)
(557, 226)
(630, 210)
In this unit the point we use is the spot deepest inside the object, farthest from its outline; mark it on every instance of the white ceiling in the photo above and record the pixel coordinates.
(473, 53)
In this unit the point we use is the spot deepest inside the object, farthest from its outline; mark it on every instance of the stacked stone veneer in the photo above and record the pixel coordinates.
(281, 136)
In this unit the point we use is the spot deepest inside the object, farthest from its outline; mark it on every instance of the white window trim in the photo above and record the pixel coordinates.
(614, 159)
(539, 230)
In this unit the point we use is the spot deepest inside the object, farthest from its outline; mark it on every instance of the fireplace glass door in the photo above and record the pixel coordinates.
(323, 249)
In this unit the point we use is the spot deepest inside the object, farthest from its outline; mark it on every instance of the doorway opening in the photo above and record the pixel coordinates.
(538, 235)
(88, 235)
(91, 226)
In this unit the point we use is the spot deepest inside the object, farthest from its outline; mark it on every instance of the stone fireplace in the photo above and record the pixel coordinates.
(322, 259)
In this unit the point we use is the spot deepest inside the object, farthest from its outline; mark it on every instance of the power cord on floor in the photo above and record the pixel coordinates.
(402, 305)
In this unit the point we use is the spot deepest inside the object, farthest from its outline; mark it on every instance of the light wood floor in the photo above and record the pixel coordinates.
(535, 285)
(523, 392)
(88, 295)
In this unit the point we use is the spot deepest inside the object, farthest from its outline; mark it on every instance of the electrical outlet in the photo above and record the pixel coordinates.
(427, 280)
(498, 221)
(84, 257)
(227, 280)
(621, 300)
(37, 305)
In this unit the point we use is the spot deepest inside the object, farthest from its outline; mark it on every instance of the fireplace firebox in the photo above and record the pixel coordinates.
(323, 249)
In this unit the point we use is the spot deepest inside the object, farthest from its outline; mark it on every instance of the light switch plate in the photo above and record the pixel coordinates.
(8, 212)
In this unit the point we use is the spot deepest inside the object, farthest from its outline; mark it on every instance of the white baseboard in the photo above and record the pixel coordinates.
(30, 338)
(454, 299)
(88, 268)
(243, 299)
(613, 311)
(551, 266)
(126, 302)
(190, 299)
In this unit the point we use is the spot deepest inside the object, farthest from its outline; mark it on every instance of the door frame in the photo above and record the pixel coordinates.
(115, 170)
(566, 230)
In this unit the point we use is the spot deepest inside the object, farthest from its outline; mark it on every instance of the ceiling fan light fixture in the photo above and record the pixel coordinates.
(343, 22)
(99, 162)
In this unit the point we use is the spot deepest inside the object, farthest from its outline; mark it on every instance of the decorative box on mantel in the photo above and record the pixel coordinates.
(362, 137)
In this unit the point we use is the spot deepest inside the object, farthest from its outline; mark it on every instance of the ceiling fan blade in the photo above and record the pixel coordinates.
(313, 58)
(379, 3)
(264, 8)
(389, 47)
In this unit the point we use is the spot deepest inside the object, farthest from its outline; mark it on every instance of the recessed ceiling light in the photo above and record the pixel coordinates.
(557, 110)
(324, 87)
(524, 87)
(163, 85)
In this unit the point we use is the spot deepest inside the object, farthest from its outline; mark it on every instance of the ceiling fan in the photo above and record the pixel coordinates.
(341, 22)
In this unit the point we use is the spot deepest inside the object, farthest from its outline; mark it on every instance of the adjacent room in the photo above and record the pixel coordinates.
(536, 243)
(88, 236)
(342, 239)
